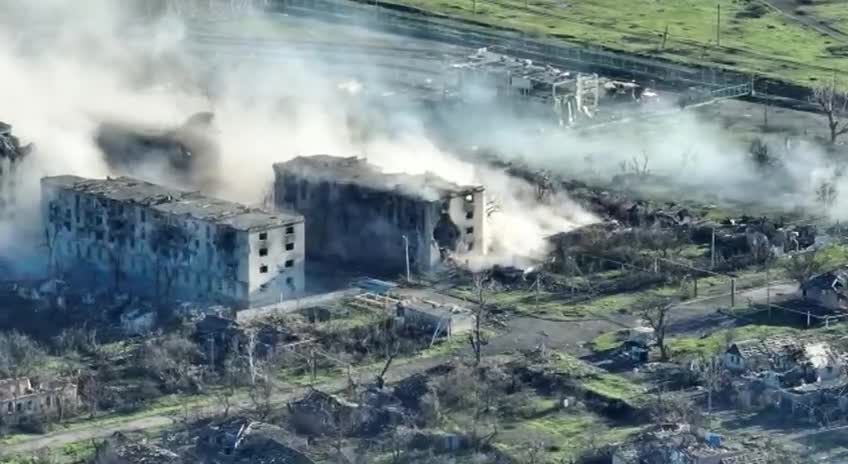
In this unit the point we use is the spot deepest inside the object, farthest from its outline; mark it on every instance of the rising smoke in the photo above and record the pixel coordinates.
(82, 71)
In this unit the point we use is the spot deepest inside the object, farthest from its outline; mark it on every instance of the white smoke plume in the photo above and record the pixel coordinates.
(83, 70)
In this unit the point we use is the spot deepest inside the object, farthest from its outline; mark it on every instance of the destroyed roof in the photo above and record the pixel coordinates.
(765, 348)
(175, 202)
(835, 280)
(359, 172)
(119, 448)
(256, 442)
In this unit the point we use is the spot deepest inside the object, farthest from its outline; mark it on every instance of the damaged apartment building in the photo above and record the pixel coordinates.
(361, 216)
(11, 154)
(140, 238)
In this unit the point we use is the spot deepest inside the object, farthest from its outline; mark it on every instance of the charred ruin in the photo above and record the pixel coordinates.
(359, 215)
(11, 154)
(147, 240)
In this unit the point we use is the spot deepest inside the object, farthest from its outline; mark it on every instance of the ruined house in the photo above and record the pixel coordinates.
(322, 414)
(187, 155)
(119, 449)
(828, 289)
(783, 361)
(22, 400)
(681, 445)
(242, 440)
(361, 216)
(132, 236)
(11, 155)
(437, 319)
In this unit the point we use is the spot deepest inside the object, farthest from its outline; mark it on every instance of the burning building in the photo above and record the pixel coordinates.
(185, 155)
(11, 154)
(359, 215)
(143, 239)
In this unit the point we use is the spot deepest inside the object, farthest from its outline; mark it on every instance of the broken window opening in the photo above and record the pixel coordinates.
(263, 252)
(290, 263)
(290, 246)
(469, 215)
(469, 230)
(290, 230)
(263, 235)
(263, 269)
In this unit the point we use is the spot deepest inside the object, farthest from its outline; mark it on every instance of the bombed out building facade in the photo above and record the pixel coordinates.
(11, 155)
(131, 236)
(360, 216)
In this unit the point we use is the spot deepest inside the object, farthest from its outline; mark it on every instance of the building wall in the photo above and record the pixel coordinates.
(276, 264)
(44, 404)
(108, 245)
(8, 188)
(359, 226)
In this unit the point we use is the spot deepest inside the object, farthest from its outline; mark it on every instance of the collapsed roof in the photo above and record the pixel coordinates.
(174, 202)
(359, 172)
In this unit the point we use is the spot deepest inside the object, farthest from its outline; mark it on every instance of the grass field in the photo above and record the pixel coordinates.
(753, 38)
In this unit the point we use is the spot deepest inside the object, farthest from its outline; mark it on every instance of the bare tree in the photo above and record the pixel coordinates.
(832, 100)
(712, 374)
(655, 314)
(260, 395)
(476, 338)
(20, 356)
(250, 346)
(391, 354)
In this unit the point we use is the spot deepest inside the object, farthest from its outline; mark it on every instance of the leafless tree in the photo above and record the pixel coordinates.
(655, 313)
(391, 354)
(712, 374)
(250, 354)
(20, 356)
(260, 395)
(476, 338)
(832, 100)
(91, 390)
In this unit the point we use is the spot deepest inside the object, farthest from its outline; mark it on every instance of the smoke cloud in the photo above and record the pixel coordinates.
(83, 70)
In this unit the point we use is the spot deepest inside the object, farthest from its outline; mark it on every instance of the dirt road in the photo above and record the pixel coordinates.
(99, 431)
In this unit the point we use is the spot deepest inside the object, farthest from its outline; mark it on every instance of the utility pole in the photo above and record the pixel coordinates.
(712, 250)
(406, 255)
(718, 24)
(768, 290)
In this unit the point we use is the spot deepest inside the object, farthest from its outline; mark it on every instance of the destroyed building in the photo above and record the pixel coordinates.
(827, 289)
(11, 154)
(23, 400)
(143, 239)
(359, 215)
(185, 155)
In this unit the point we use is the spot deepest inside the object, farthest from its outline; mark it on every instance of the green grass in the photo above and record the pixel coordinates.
(770, 44)
(594, 379)
(613, 386)
(605, 341)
